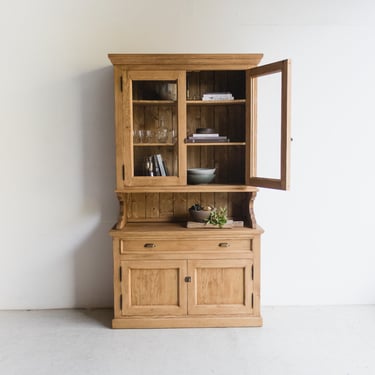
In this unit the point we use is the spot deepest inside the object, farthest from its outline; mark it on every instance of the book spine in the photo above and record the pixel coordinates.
(156, 166)
(161, 165)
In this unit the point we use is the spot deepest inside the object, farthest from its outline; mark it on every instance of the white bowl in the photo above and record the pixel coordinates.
(195, 179)
(201, 171)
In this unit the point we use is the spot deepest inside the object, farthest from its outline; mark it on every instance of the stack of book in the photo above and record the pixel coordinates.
(206, 138)
(218, 96)
(155, 166)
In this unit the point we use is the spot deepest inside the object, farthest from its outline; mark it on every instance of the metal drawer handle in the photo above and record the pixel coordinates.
(224, 244)
(149, 245)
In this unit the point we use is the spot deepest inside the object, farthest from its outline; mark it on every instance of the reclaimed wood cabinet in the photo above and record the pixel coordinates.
(165, 273)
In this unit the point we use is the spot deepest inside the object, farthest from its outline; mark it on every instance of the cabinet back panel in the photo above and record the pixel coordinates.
(150, 207)
(227, 120)
(229, 162)
(199, 83)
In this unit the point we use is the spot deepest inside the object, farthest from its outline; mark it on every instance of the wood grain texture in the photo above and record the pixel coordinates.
(165, 274)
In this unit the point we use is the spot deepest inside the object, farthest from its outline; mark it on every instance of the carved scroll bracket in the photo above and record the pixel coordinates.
(251, 221)
(121, 222)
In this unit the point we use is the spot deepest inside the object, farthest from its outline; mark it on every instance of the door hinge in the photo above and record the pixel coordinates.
(121, 83)
(252, 300)
(123, 172)
(120, 301)
(252, 272)
(120, 274)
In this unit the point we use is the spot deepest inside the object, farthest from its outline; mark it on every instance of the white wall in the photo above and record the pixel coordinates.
(56, 141)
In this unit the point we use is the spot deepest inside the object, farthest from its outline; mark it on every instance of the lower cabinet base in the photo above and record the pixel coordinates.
(188, 322)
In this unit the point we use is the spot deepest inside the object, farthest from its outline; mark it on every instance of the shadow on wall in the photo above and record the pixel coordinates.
(93, 257)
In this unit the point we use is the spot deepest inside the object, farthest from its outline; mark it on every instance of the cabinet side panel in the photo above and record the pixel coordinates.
(116, 277)
(119, 133)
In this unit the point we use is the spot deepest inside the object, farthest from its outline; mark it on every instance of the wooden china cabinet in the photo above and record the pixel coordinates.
(167, 274)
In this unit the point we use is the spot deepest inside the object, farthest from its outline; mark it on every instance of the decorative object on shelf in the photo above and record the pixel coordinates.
(218, 217)
(197, 176)
(205, 131)
(200, 214)
(155, 166)
(149, 166)
(195, 179)
(211, 139)
(217, 96)
(209, 215)
(167, 91)
(201, 170)
(206, 135)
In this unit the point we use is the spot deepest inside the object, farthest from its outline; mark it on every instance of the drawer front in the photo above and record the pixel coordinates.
(186, 245)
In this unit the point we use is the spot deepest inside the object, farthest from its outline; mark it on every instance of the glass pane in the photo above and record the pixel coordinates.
(154, 128)
(154, 90)
(269, 126)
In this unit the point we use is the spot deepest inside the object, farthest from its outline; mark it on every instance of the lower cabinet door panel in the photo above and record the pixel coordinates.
(153, 287)
(220, 286)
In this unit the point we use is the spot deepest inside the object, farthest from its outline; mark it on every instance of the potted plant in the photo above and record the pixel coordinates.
(218, 217)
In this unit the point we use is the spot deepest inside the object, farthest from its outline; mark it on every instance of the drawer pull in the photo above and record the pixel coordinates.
(224, 244)
(149, 245)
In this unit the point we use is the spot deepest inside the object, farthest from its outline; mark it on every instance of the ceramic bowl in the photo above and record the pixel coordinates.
(195, 179)
(201, 171)
(200, 216)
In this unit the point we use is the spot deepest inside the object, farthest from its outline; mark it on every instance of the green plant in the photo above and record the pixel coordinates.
(218, 217)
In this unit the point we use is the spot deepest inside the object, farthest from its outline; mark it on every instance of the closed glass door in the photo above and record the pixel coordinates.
(154, 119)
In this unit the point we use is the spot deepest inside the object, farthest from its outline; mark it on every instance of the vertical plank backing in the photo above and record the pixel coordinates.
(152, 205)
(137, 206)
(180, 206)
(166, 206)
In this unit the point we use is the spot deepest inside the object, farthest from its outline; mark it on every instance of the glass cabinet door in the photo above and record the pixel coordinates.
(154, 127)
(268, 138)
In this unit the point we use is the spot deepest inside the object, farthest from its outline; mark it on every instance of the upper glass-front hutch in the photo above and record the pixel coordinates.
(165, 100)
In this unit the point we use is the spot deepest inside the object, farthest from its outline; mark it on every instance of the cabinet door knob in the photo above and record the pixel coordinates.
(149, 245)
(224, 244)
(187, 279)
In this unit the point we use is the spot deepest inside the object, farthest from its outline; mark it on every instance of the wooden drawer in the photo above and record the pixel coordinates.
(245, 244)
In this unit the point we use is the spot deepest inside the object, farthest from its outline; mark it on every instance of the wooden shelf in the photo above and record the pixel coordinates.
(154, 144)
(216, 144)
(154, 102)
(216, 102)
(205, 188)
(178, 229)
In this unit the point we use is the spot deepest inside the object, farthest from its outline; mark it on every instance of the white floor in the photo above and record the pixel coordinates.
(293, 340)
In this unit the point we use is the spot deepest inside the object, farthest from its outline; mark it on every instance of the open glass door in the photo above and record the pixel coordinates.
(268, 133)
